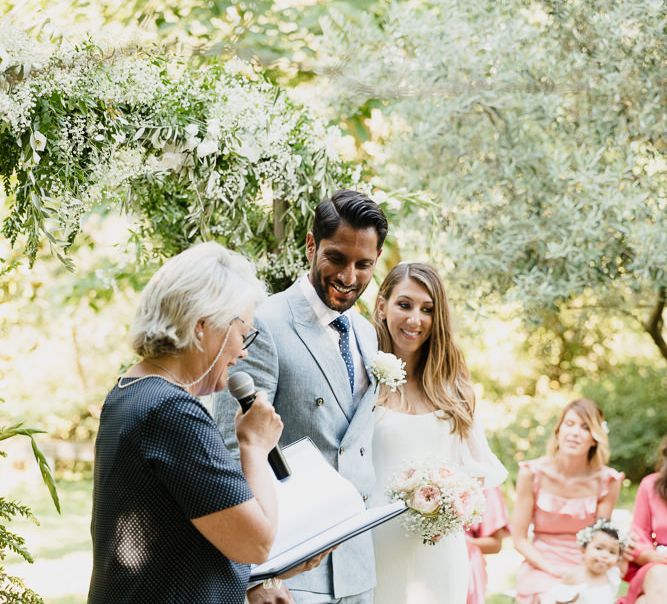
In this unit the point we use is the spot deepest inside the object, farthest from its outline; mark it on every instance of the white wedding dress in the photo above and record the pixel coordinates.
(409, 572)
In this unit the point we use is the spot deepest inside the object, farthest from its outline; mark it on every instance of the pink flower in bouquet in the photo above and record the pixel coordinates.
(440, 474)
(426, 499)
(408, 480)
(463, 504)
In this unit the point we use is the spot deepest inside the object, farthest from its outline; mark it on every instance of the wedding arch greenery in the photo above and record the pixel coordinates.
(193, 153)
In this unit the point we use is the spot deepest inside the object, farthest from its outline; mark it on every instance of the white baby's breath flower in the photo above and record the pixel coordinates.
(389, 370)
(585, 535)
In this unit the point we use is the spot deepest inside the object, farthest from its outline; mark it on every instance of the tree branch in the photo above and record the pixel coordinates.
(655, 322)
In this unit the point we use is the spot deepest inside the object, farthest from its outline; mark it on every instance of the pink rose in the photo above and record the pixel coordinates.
(440, 474)
(426, 500)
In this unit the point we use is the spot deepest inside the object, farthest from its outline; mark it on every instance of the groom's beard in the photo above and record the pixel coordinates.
(323, 288)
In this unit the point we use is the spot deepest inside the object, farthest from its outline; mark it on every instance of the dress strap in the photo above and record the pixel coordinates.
(533, 467)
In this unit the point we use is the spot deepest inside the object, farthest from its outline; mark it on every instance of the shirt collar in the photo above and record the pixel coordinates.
(323, 313)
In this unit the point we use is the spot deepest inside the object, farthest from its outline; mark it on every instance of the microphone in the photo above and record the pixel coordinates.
(242, 388)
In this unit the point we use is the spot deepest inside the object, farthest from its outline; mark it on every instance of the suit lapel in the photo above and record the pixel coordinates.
(314, 336)
(367, 347)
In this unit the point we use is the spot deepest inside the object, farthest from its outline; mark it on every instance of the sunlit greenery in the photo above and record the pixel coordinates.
(538, 127)
(520, 146)
(13, 589)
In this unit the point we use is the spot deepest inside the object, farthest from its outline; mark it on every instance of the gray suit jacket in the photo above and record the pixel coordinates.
(295, 361)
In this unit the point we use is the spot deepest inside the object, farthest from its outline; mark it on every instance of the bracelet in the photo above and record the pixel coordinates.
(272, 583)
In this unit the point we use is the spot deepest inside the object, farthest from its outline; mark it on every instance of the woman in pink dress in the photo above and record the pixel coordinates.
(648, 570)
(559, 494)
(486, 537)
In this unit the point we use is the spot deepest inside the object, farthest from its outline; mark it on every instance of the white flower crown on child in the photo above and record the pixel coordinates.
(585, 535)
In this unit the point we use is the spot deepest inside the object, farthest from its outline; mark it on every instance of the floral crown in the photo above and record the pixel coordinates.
(585, 535)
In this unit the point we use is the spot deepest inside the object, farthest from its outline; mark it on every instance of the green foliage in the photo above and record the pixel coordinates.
(539, 128)
(526, 436)
(634, 399)
(12, 589)
(44, 469)
(193, 153)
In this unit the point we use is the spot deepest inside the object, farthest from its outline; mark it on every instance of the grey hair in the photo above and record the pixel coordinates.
(206, 281)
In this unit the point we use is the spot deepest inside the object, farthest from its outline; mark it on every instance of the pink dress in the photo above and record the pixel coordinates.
(494, 519)
(650, 525)
(556, 521)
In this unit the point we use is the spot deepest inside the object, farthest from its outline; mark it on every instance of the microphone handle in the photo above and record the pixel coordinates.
(246, 402)
(277, 460)
(278, 463)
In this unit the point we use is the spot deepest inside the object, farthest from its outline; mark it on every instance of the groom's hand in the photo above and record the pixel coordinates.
(259, 595)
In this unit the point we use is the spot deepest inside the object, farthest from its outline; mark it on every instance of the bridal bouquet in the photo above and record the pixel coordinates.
(440, 499)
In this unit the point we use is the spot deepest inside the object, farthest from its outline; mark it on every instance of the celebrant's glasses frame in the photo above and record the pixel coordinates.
(250, 336)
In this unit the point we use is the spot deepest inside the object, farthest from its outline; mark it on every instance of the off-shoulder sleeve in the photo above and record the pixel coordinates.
(478, 459)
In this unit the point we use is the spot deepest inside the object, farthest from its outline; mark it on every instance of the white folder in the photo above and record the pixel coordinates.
(317, 509)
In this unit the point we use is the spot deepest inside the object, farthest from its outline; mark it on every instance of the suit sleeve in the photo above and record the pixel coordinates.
(262, 361)
(262, 365)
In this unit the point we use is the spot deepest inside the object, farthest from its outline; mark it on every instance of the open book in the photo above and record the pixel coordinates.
(317, 509)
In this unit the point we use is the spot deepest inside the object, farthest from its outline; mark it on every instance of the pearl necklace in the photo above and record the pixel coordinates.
(144, 377)
(175, 379)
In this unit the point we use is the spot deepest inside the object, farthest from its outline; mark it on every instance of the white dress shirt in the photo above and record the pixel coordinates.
(326, 315)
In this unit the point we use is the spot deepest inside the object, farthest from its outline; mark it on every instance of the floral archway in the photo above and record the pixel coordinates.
(193, 153)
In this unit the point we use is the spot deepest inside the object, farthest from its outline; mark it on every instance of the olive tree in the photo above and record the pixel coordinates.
(538, 128)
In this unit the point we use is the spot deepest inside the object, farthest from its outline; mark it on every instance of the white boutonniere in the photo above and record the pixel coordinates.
(389, 370)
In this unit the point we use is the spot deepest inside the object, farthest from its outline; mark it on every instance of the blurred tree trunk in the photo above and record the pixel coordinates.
(655, 323)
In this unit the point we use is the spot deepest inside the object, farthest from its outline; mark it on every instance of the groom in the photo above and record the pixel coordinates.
(311, 358)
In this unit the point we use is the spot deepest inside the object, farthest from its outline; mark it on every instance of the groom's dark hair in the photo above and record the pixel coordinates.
(352, 207)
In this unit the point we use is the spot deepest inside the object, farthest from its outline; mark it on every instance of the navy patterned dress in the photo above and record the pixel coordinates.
(160, 461)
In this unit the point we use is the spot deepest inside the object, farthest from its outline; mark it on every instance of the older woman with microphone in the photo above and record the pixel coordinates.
(175, 517)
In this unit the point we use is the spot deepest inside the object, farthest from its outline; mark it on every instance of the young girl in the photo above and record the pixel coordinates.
(598, 579)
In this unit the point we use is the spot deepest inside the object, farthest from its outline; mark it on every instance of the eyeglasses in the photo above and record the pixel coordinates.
(250, 336)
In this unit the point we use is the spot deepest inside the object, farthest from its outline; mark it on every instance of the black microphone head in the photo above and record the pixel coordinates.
(241, 385)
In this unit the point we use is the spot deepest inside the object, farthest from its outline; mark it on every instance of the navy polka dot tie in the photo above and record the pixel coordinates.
(342, 324)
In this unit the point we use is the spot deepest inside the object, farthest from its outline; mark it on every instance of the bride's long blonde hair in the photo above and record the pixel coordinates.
(442, 371)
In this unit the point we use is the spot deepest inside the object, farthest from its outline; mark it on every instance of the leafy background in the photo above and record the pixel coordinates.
(519, 146)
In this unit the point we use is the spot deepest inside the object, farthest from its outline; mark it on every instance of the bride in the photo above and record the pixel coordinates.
(431, 417)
